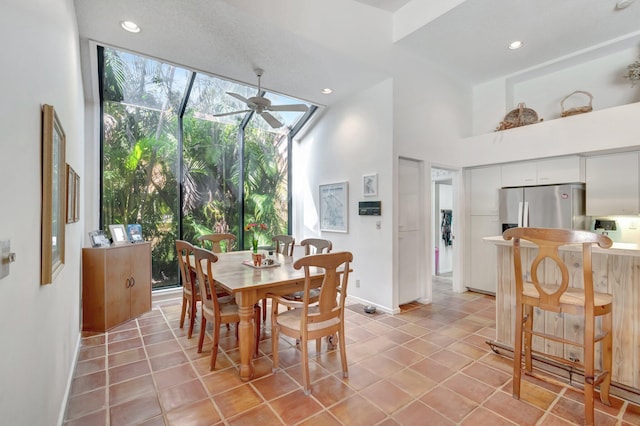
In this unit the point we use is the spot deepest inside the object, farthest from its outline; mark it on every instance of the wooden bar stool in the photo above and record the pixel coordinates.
(547, 288)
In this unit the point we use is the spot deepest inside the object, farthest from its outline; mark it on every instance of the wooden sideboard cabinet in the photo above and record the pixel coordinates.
(116, 285)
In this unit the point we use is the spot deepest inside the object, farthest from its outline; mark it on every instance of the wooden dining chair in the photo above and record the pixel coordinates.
(312, 322)
(214, 241)
(190, 292)
(215, 309)
(563, 284)
(283, 244)
(311, 246)
(316, 246)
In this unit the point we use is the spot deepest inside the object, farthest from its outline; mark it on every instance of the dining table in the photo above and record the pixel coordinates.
(236, 273)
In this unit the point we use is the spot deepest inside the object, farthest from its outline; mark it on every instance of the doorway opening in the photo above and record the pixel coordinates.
(443, 227)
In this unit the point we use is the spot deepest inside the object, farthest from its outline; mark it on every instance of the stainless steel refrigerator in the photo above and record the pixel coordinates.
(550, 206)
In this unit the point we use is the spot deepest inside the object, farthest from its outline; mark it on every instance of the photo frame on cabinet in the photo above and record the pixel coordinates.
(118, 234)
(135, 232)
(334, 199)
(370, 185)
(99, 239)
(54, 195)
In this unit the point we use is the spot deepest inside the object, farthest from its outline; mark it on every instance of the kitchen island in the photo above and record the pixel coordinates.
(616, 271)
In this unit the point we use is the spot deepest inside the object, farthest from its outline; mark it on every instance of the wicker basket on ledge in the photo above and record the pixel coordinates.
(576, 110)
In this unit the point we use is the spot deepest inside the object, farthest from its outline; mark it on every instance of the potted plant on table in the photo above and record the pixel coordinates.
(256, 228)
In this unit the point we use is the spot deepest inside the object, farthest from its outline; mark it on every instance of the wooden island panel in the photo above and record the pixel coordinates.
(617, 273)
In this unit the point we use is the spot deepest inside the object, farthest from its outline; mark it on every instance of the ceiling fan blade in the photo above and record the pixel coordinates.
(239, 97)
(273, 122)
(231, 113)
(293, 107)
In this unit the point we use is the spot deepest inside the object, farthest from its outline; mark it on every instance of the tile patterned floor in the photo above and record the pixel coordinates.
(428, 365)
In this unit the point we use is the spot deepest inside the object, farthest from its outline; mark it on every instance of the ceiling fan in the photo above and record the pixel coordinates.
(261, 105)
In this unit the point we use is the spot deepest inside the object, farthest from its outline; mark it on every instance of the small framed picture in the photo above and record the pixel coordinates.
(99, 239)
(370, 185)
(118, 234)
(135, 232)
(71, 194)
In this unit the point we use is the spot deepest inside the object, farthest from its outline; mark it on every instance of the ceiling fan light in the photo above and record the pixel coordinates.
(516, 45)
(130, 26)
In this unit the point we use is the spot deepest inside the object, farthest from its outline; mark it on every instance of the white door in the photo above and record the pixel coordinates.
(409, 255)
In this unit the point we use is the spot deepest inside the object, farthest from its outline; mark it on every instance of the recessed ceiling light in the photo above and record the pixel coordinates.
(516, 45)
(327, 91)
(130, 26)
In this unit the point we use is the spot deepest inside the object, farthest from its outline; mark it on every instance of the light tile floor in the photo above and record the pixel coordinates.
(428, 365)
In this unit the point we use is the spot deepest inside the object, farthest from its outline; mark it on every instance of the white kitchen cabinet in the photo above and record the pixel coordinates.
(484, 183)
(519, 174)
(483, 276)
(544, 172)
(560, 170)
(613, 184)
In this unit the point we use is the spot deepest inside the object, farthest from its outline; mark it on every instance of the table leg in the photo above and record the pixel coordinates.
(246, 337)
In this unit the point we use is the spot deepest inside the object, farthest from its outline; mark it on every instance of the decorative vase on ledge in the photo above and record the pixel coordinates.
(633, 72)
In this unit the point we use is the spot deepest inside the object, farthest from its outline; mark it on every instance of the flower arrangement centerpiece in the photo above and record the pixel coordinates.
(256, 228)
(633, 72)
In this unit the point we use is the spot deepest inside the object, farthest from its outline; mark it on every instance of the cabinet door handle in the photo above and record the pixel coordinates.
(133, 281)
(128, 283)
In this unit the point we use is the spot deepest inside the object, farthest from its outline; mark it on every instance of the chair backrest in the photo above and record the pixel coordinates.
(284, 244)
(185, 250)
(204, 259)
(550, 285)
(318, 244)
(334, 284)
(215, 240)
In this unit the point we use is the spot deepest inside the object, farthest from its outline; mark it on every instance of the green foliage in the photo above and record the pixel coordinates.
(141, 165)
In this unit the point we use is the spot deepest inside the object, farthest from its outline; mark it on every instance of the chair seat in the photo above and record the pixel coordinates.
(227, 309)
(291, 320)
(572, 296)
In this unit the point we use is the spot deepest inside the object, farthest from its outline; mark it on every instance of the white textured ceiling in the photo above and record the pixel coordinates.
(306, 45)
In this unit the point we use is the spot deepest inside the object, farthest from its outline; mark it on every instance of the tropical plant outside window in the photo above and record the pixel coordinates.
(172, 167)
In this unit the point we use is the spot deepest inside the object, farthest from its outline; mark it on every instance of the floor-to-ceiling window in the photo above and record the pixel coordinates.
(172, 165)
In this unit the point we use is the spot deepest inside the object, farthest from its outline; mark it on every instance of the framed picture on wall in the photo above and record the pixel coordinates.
(76, 198)
(334, 199)
(370, 185)
(71, 194)
(54, 195)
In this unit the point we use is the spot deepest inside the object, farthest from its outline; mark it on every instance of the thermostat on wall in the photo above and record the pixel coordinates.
(369, 208)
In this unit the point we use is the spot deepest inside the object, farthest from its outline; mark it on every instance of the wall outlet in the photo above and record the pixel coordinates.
(357, 283)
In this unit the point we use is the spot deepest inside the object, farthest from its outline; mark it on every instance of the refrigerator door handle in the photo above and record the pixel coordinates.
(520, 214)
(525, 215)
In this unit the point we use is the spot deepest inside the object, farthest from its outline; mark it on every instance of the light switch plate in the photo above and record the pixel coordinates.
(5, 249)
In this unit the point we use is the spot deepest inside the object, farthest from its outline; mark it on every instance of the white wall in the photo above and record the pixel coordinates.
(417, 115)
(351, 139)
(39, 325)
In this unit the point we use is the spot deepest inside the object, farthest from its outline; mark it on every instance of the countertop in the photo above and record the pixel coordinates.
(620, 249)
